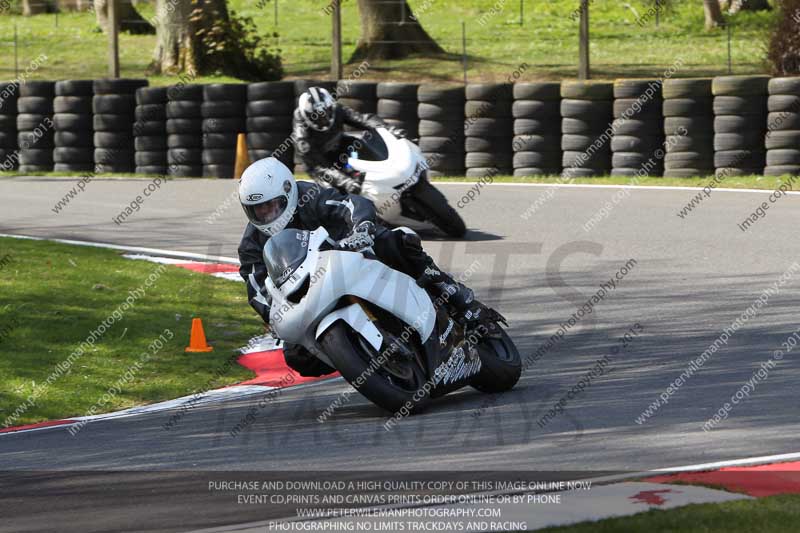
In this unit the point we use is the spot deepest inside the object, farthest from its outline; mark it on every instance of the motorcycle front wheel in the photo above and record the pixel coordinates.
(438, 211)
(396, 384)
(501, 364)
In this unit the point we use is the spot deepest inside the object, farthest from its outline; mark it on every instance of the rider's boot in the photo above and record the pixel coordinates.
(446, 290)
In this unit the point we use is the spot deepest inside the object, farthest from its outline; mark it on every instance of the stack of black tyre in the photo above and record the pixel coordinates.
(223, 112)
(740, 124)
(397, 106)
(537, 129)
(9, 158)
(185, 131)
(362, 96)
(270, 105)
(587, 114)
(35, 128)
(688, 127)
(114, 106)
(301, 86)
(441, 128)
(150, 131)
(783, 124)
(72, 119)
(489, 129)
(637, 146)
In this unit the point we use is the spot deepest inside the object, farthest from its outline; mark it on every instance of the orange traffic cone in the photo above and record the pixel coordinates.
(242, 157)
(197, 342)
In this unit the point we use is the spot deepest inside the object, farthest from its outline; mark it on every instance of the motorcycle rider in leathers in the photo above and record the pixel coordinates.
(320, 140)
(273, 201)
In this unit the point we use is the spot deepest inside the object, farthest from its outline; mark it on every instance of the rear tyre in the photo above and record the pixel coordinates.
(501, 364)
(391, 386)
(438, 211)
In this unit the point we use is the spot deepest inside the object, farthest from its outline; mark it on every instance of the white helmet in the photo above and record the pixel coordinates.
(317, 108)
(268, 194)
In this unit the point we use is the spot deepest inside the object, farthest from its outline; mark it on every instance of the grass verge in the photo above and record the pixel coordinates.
(541, 42)
(55, 295)
(775, 514)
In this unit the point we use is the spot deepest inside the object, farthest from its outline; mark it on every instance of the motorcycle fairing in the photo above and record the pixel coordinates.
(334, 275)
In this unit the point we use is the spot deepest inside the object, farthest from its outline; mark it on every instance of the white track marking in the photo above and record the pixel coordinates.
(607, 186)
(750, 461)
(133, 249)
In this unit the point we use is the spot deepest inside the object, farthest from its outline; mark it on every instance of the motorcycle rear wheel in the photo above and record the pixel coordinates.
(393, 386)
(501, 364)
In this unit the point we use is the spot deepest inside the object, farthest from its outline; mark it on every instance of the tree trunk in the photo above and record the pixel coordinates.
(35, 7)
(129, 19)
(201, 37)
(749, 5)
(390, 31)
(176, 38)
(714, 18)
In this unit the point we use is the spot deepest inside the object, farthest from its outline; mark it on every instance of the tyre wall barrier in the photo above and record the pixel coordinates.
(223, 111)
(185, 131)
(637, 144)
(73, 123)
(782, 139)
(740, 124)
(688, 127)
(537, 129)
(114, 109)
(35, 128)
(9, 150)
(586, 118)
(441, 128)
(397, 106)
(488, 129)
(731, 125)
(269, 120)
(150, 131)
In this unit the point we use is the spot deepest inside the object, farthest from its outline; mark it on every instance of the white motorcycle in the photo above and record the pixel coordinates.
(396, 180)
(377, 327)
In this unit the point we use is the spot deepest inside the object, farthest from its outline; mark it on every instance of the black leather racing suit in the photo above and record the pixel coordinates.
(338, 213)
(325, 153)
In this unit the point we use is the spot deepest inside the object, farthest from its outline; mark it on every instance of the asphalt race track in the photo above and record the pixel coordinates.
(692, 278)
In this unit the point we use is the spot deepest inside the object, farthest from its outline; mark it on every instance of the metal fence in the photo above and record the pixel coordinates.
(482, 39)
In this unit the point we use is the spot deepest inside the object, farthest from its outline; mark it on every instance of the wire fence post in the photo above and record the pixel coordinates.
(336, 56)
(113, 39)
(276, 12)
(584, 70)
(464, 48)
(730, 60)
(658, 12)
(521, 12)
(16, 52)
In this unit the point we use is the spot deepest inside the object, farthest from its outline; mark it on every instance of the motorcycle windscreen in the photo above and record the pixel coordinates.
(370, 147)
(284, 253)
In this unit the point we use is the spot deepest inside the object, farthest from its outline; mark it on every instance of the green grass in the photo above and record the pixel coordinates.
(739, 182)
(496, 43)
(775, 514)
(54, 295)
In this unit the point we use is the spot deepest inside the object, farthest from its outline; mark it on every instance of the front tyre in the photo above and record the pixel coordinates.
(397, 383)
(501, 364)
(438, 211)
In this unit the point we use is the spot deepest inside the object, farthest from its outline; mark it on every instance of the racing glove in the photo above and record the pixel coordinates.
(342, 180)
(362, 237)
(351, 185)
